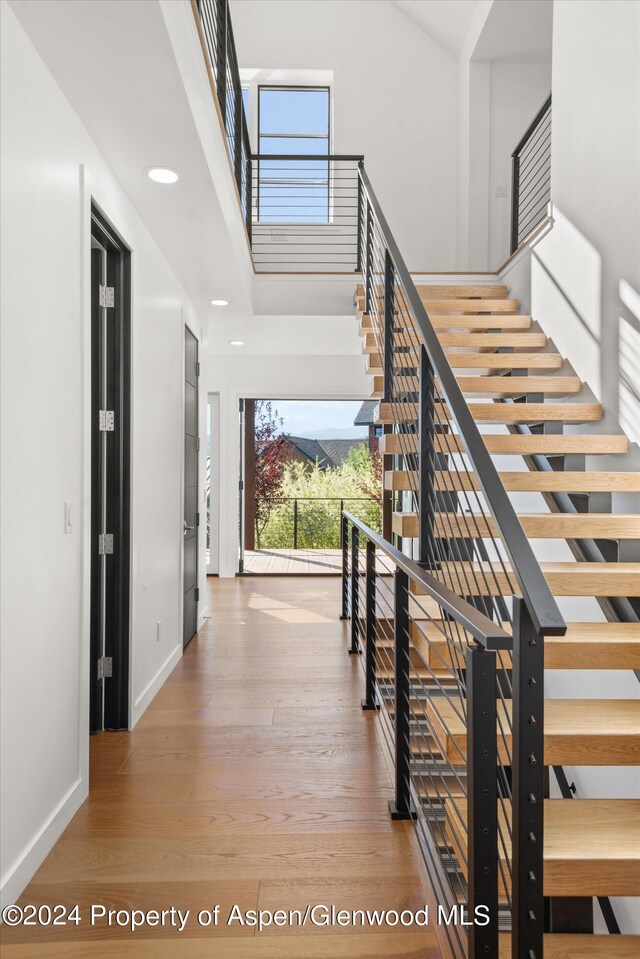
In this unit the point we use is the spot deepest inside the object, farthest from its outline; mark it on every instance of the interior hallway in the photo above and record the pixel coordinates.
(254, 778)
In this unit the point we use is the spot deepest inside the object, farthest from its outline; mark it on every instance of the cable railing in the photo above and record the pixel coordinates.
(304, 212)
(216, 34)
(531, 176)
(311, 522)
(454, 516)
(435, 667)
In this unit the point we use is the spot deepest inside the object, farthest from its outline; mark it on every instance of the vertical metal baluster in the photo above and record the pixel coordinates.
(482, 800)
(355, 586)
(528, 786)
(249, 196)
(295, 524)
(221, 76)
(427, 461)
(344, 542)
(369, 273)
(515, 200)
(360, 220)
(402, 807)
(370, 696)
(389, 321)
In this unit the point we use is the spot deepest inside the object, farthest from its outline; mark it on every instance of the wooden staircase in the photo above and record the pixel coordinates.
(513, 378)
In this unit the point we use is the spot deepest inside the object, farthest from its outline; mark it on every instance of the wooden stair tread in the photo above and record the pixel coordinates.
(584, 646)
(462, 321)
(499, 385)
(564, 579)
(581, 946)
(505, 361)
(407, 412)
(577, 732)
(512, 339)
(513, 443)
(558, 481)
(441, 304)
(447, 290)
(535, 525)
(591, 846)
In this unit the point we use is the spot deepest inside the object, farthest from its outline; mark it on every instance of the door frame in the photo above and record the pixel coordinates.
(187, 327)
(109, 698)
(213, 414)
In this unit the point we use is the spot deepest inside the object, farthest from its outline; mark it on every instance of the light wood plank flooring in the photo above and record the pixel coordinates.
(254, 778)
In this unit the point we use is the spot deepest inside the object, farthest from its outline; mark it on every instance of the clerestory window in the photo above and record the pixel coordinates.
(293, 123)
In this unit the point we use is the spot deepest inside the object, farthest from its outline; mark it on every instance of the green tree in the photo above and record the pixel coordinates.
(356, 485)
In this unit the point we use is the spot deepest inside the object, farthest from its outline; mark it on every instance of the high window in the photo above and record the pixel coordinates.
(293, 122)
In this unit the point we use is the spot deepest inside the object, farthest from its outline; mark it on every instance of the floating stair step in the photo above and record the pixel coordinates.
(459, 340)
(495, 385)
(446, 290)
(591, 846)
(374, 364)
(584, 646)
(579, 946)
(441, 304)
(560, 481)
(505, 361)
(535, 525)
(577, 732)
(459, 321)
(400, 412)
(564, 579)
(516, 444)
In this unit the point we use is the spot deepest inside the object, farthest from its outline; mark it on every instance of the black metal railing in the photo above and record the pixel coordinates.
(531, 176)
(222, 64)
(436, 668)
(311, 522)
(304, 213)
(453, 515)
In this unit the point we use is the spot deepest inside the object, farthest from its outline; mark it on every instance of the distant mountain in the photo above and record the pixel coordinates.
(346, 433)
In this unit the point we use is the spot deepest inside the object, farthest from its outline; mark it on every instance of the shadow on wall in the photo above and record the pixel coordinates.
(594, 320)
(629, 360)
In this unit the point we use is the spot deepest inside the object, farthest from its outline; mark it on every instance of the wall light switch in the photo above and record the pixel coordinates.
(68, 524)
(501, 190)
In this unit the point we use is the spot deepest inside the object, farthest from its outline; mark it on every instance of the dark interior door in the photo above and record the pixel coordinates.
(191, 516)
(110, 476)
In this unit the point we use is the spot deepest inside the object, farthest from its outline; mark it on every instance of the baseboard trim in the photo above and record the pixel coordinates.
(154, 685)
(22, 871)
(203, 615)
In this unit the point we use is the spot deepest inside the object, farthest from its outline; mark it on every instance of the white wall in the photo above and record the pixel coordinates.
(50, 170)
(586, 279)
(394, 100)
(518, 90)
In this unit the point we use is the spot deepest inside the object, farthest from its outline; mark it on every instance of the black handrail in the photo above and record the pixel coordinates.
(484, 630)
(543, 609)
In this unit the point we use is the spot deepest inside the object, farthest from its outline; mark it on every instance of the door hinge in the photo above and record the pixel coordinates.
(197, 594)
(107, 421)
(240, 485)
(107, 296)
(105, 667)
(197, 519)
(105, 544)
(242, 406)
(197, 444)
(198, 368)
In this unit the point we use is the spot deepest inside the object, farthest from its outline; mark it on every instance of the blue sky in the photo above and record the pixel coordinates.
(302, 417)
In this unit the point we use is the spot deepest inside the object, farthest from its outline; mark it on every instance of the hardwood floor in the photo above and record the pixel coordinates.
(254, 779)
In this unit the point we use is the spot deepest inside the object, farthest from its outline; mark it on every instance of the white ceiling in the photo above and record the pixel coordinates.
(115, 64)
(447, 21)
(517, 31)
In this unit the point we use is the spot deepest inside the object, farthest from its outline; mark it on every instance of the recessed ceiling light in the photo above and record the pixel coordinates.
(162, 174)
(236, 342)
(219, 302)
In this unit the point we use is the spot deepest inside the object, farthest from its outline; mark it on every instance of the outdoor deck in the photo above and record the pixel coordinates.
(293, 561)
